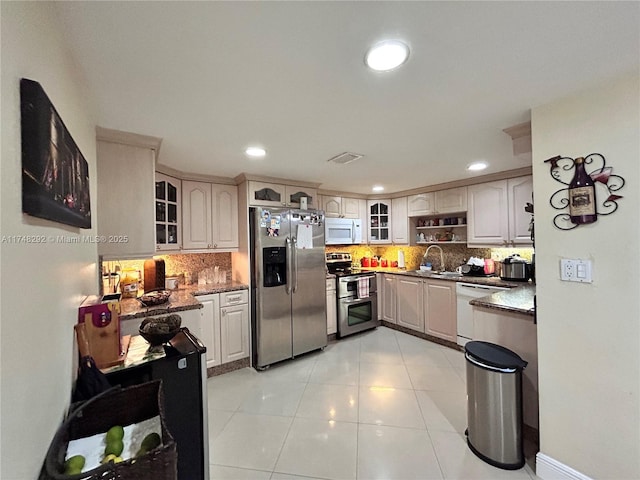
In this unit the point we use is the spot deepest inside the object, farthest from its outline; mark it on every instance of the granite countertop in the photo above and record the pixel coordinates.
(184, 298)
(519, 300)
(489, 281)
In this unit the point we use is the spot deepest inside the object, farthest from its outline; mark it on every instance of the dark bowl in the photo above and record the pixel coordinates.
(155, 297)
(158, 337)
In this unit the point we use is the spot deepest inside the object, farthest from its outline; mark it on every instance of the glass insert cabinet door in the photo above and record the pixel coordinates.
(379, 221)
(167, 212)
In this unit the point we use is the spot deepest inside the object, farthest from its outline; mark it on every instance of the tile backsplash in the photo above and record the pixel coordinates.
(178, 264)
(454, 254)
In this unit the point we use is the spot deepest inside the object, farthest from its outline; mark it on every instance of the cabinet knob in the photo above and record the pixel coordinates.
(215, 245)
(209, 246)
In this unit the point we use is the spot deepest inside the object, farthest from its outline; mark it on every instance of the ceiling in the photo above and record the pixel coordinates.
(211, 78)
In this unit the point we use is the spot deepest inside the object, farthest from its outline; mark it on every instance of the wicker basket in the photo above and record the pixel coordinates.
(118, 406)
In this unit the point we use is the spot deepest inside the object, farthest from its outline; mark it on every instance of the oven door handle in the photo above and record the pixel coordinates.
(355, 279)
(357, 300)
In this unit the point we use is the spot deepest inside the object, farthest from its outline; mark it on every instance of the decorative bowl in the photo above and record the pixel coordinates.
(155, 297)
(160, 330)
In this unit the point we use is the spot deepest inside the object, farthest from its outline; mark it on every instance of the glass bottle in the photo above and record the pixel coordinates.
(582, 196)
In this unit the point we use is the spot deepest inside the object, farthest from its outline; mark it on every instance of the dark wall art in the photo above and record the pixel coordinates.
(590, 189)
(55, 174)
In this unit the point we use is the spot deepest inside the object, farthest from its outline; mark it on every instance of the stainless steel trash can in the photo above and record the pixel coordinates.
(494, 404)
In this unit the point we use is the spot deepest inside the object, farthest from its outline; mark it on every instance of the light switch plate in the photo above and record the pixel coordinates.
(575, 270)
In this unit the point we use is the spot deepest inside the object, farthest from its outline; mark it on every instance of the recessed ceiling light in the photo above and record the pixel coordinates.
(387, 55)
(378, 188)
(477, 166)
(255, 152)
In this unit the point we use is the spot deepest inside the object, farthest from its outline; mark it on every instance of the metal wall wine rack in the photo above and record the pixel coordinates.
(562, 171)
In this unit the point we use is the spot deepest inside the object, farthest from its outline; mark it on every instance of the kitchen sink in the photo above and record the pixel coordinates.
(449, 274)
(436, 274)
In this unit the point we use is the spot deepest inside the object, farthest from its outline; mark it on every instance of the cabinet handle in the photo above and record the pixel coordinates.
(233, 299)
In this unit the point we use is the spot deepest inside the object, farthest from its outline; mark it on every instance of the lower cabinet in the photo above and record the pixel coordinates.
(225, 326)
(210, 320)
(440, 309)
(409, 308)
(427, 306)
(234, 332)
(388, 303)
(332, 307)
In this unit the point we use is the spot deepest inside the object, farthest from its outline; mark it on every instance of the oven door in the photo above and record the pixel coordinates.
(357, 314)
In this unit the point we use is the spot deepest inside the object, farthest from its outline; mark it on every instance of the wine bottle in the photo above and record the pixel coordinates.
(582, 196)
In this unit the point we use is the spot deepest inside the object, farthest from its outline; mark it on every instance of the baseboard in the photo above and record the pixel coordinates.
(548, 468)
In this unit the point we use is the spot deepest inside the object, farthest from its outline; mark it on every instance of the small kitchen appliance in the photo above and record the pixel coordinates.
(343, 231)
(154, 274)
(515, 268)
(100, 316)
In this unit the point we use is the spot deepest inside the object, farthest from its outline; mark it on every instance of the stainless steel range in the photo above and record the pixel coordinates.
(356, 293)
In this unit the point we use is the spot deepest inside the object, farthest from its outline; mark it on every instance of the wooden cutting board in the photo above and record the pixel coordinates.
(103, 335)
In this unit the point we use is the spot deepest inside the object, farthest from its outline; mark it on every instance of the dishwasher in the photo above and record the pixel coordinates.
(465, 292)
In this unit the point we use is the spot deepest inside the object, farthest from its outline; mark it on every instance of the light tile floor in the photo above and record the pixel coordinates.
(378, 405)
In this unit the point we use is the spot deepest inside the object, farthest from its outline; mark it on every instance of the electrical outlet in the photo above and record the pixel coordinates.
(575, 270)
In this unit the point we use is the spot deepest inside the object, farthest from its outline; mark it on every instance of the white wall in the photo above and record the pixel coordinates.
(589, 334)
(40, 286)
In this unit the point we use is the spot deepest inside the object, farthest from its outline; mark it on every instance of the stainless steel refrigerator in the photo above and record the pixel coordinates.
(288, 310)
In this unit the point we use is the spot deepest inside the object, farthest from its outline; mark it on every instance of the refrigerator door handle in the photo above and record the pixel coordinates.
(287, 287)
(294, 254)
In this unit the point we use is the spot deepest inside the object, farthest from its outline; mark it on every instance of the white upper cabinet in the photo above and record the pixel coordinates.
(379, 221)
(452, 200)
(126, 184)
(496, 213)
(332, 206)
(344, 207)
(293, 194)
(400, 221)
(266, 194)
(520, 192)
(210, 216)
(354, 208)
(224, 211)
(196, 217)
(277, 195)
(422, 204)
(487, 217)
(168, 213)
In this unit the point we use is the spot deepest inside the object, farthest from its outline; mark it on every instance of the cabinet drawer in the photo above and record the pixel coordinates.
(234, 298)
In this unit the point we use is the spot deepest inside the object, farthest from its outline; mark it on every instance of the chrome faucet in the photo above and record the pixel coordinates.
(424, 257)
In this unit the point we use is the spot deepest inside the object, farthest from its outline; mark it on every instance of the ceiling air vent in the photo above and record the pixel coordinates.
(345, 157)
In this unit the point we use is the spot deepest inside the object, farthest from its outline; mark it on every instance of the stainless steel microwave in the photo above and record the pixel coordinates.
(342, 231)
